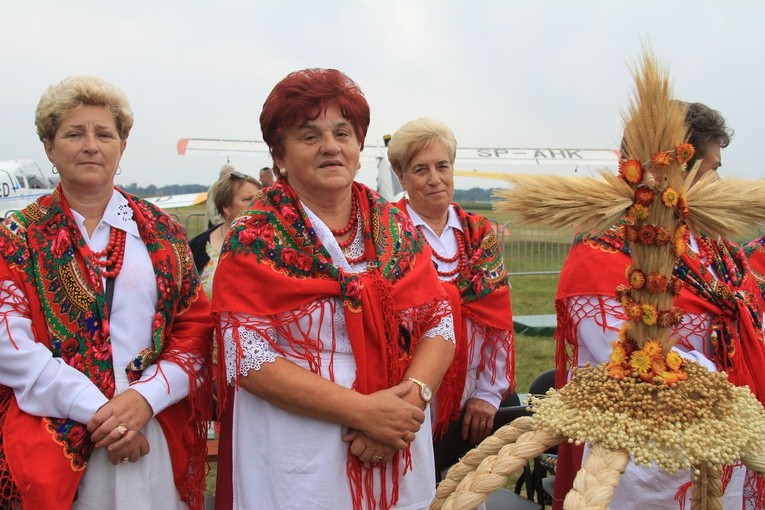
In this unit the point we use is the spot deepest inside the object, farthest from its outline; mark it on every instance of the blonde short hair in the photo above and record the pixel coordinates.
(76, 91)
(415, 136)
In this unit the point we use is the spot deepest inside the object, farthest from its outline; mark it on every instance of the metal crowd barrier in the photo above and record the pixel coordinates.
(533, 250)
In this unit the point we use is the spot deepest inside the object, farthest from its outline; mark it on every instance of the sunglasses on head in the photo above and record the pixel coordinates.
(239, 175)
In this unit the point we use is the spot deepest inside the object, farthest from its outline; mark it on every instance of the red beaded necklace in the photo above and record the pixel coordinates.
(458, 257)
(705, 251)
(351, 221)
(114, 253)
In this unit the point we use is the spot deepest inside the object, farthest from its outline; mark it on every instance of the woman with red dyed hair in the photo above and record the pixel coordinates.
(331, 321)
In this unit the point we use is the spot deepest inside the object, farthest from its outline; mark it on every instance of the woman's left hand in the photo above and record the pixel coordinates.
(478, 422)
(114, 421)
(367, 449)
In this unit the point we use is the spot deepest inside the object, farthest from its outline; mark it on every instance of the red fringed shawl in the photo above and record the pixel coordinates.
(480, 293)
(274, 246)
(596, 266)
(43, 253)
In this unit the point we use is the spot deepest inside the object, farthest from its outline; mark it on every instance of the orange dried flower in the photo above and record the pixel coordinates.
(644, 196)
(649, 314)
(661, 158)
(634, 311)
(674, 361)
(662, 236)
(675, 285)
(640, 362)
(639, 212)
(656, 283)
(630, 232)
(637, 279)
(646, 234)
(618, 371)
(682, 206)
(684, 152)
(670, 197)
(631, 170)
(652, 348)
(618, 356)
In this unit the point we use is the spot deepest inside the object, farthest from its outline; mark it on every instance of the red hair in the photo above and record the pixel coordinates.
(303, 95)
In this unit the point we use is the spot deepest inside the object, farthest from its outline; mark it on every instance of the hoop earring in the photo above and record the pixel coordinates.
(119, 170)
(283, 172)
(53, 169)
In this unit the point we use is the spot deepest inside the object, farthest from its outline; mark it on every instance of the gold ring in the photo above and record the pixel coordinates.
(378, 458)
(124, 460)
(121, 429)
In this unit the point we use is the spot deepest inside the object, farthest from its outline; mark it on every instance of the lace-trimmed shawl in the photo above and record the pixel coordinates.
(273, 246)
(43, 252)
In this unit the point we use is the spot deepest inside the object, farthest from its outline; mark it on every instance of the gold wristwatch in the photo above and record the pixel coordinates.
(425, 392)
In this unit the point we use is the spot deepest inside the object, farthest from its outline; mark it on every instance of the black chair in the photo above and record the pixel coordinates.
(536, 472)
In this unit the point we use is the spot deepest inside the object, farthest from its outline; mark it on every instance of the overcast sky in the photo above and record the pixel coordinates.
(508, 73)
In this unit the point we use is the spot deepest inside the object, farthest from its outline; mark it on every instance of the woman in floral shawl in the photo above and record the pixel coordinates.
(105, 337)
(335, 331)
(469, 264)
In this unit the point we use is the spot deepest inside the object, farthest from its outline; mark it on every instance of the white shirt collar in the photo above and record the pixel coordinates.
(452, 219)
(118, 214)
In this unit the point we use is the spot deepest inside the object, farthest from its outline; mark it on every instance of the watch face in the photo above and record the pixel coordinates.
(427, 393)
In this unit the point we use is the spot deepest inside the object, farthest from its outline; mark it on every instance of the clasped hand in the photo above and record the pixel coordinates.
(389, 424)
(117, 427)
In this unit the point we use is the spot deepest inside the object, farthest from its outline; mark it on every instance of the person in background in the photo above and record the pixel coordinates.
(214, 217)
(233, 193)
(105, 344)
(266, 176)
(335, 330)
(469, 264)
(715, 297)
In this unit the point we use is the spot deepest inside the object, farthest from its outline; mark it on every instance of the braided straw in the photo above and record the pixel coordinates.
(706, 493)
(595, 483)
(493, 471)
(505, 435)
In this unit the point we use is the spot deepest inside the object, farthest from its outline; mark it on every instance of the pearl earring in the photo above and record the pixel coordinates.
(282, 172)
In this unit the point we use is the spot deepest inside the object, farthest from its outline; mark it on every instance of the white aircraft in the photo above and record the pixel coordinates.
(473, 162)
(22, 181)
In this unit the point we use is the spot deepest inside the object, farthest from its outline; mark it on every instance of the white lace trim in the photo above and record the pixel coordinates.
(444, 328)
(255, 351)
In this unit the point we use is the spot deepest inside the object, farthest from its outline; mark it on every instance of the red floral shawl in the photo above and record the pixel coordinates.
(42, 252)
(274, 246)
(480, 293)
(596, 266)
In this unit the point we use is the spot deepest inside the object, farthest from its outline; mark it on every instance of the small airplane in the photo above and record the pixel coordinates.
(473, 162)
(22, 181)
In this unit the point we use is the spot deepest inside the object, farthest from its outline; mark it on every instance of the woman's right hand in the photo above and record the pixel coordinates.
(129, 449)
(389, 419)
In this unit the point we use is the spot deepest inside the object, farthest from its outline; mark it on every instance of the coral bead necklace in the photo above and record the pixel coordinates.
(458, 257)
(114, 254)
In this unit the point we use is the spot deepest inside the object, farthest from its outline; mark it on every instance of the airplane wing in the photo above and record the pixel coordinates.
(221, 146)
(178, 201)
(472, 162)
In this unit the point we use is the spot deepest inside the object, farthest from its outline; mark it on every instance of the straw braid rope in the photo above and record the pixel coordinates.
(622, 416)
